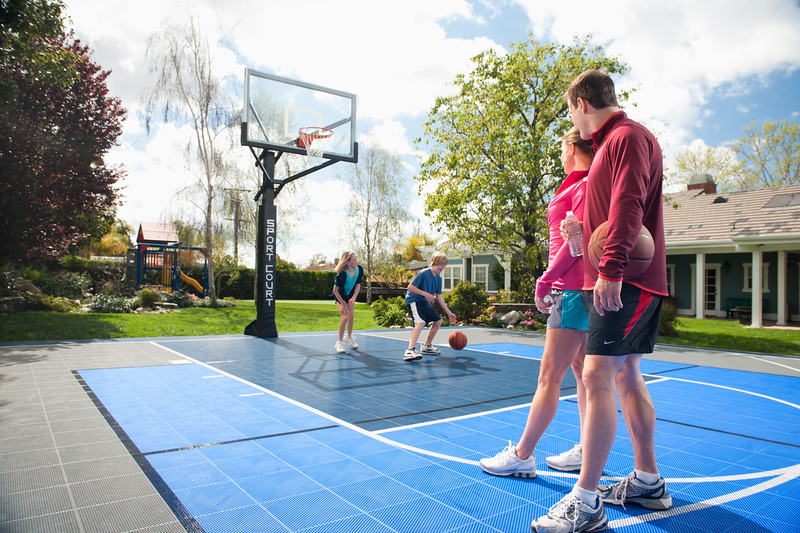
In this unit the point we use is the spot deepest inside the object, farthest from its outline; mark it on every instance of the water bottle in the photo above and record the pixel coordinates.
(575, 231)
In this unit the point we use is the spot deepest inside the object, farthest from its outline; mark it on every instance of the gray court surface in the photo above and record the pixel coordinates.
(235, 433)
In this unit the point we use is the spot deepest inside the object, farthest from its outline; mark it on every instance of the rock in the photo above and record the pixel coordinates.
(25, 285)
(512, 317)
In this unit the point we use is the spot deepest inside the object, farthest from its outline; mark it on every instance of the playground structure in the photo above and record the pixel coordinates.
(159, 249)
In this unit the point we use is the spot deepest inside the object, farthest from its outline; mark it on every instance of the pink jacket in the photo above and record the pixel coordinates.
(563, 271)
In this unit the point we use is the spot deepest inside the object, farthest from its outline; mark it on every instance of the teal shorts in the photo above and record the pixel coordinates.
(568, 311)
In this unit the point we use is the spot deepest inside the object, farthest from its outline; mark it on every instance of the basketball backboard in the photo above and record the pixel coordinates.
(276, 108)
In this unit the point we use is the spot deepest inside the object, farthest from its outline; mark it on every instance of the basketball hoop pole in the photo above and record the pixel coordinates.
(266, 253)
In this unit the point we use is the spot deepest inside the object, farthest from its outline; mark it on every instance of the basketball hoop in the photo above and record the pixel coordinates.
(315, 140)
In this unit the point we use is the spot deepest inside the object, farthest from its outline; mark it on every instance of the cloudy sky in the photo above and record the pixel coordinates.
(703, 70)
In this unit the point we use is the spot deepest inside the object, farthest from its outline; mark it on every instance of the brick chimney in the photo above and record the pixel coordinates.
(702, 182)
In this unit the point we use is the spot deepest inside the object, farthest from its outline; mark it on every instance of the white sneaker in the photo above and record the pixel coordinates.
(429, 350)
(633, 490)
(340, 347)
(412, 355)
(571, 515)
(508, 463)
(352, 342)
(569, 461)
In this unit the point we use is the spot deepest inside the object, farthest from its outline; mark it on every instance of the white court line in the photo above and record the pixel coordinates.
(780, 475)
(789, 474)
(762, 360)
(333, 419)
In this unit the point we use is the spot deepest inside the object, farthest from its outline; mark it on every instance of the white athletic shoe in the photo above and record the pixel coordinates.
(569, 461)
(571, 515)
(340, 347)
(508, 463)
(412, 355)
(429, 350)
(352, 342)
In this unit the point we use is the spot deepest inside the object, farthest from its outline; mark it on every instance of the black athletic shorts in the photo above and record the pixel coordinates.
(631, 330)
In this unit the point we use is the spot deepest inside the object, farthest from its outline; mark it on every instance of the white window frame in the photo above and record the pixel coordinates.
(671, 280)
(451, 275)
(748, 278)
(485, 281)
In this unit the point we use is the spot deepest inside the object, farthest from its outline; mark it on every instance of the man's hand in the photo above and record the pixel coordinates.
(607, 296)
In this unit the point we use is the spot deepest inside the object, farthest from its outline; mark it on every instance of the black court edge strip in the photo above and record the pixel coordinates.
(170, 498)
(234, 441)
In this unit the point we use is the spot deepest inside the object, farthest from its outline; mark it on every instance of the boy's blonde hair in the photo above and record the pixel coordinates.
(438, 258)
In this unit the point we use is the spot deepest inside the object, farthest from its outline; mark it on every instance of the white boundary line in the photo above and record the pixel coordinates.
(788, 475)
(764, 360)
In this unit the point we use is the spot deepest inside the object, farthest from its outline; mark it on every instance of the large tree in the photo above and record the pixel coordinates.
(188, 89)
(771, 154)
(494, 148)
(54, 184)
(29, 34)
(377, 207)
(720, 162)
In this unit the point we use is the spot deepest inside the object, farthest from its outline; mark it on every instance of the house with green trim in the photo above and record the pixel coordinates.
(734, 254)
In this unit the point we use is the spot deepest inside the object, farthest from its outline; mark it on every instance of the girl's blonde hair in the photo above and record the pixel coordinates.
(438, 258)
(573, 136)
(343, 261)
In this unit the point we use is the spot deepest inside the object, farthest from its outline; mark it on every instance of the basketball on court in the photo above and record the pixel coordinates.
(639, 257)
(457, 340)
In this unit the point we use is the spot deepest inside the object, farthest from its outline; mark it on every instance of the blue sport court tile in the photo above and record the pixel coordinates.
(248, 519)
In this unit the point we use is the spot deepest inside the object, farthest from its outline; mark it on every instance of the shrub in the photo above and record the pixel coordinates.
(467, 301)
(179, 298)
(669, 318)
(214, 304)
(534, 321)
(106, 303)
(490, 318)
(148, 297)
(390, 312)
(44, 302)
(66, 285)
(508, 297)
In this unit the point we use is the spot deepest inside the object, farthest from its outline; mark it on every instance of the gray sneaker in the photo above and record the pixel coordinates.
(507, 463)
(429, 350)
(569, 461)
(633, 490)
(412, 355)
(572, 515)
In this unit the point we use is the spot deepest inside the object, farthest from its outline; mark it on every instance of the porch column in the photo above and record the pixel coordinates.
(700, 286)
(782, 260)
(756, 282)
(507, 275)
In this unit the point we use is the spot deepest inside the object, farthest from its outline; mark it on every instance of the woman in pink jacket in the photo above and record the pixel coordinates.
(558, 292)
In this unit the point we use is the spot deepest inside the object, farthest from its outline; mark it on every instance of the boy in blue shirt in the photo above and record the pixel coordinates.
(423, 291)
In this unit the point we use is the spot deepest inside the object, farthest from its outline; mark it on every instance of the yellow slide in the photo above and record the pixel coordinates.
(191, 281)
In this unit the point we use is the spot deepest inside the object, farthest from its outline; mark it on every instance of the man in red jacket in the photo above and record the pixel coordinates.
(623, 187)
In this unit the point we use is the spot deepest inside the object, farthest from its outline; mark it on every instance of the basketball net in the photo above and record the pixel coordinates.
(316, 141)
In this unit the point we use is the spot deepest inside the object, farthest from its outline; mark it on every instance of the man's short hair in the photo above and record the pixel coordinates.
(594, 86)
(438, 258)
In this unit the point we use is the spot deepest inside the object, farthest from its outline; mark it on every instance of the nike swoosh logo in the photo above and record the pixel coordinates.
(609, 342)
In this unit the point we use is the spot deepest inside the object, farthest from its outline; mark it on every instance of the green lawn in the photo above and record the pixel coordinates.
(296, 316)
(731, 335)
(290, 316)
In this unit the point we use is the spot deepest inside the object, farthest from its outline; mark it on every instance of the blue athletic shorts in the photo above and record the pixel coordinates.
(631, 330)
(422, 312)
(568, 311)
